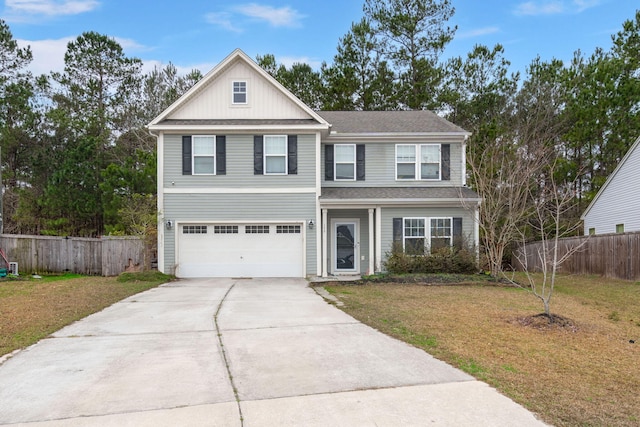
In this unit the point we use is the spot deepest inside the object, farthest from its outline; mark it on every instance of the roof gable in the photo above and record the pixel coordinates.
(633, 151)
(211, 97)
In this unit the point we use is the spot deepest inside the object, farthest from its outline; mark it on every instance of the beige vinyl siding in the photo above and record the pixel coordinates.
(468, 225)
(264, 100)
(347, 214)
(241, 208)
(380, 166)
(239, 152)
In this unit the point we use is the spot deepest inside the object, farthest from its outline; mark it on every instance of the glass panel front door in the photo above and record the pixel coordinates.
(345, 246)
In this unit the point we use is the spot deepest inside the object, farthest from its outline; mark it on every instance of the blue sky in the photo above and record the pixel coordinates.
(199, 34)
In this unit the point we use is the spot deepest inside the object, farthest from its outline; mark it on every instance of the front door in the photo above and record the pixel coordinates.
(345, 248)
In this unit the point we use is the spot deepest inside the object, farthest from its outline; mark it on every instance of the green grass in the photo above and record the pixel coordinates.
(32, 309)
(583, 372)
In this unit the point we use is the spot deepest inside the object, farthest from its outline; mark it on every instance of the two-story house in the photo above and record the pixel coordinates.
(254, 183)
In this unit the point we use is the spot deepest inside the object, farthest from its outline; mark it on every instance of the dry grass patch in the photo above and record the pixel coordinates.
(580, 372)
(32, 309)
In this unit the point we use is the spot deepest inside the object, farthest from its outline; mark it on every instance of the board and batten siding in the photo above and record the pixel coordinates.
(387, 214)
(265, 101)
(240, 208)
(239, 162)
(619, 201)
(380, 166)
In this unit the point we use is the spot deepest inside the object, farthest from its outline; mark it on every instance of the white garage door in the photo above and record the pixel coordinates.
(240, 250)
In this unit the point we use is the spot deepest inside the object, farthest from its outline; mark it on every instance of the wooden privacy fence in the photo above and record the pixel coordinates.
(104, 256)
(609, 255)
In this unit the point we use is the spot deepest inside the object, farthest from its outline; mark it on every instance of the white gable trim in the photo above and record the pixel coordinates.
(237, 128)
(610, 178)
(216, 71)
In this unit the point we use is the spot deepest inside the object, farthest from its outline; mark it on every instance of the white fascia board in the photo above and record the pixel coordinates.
(633, 147)
(343, 203)
(235, 128)
(392, 137)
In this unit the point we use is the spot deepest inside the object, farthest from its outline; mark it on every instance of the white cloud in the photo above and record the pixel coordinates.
(540, 8)
(581, 5)
(282, 17)
(478, 32)
(276, 17)
(18, 8)
(222, 19)
(48, 55)
(288, 61)
(554, 7)
(130, 44)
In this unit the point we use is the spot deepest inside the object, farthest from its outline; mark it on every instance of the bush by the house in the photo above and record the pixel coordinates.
(460, 260)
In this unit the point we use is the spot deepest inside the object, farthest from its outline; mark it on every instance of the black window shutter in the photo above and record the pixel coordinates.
(445, 154)
(186, 155)
(257, 155)
(328, 162)
(457, 233)
(360, 162)
(221, 155)
(397, 231)
(292, 154)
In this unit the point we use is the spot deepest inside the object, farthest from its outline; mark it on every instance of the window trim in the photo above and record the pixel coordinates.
(194, 155)
(265, 155)
(245, 92)
(450, 236)
(427, 232)
(405, 237)
(335, 162)
(414, 163)
(417, 163)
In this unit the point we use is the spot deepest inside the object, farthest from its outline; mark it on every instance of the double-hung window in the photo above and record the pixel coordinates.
(440, 233)
(420, 235)
(239, 92)
(406, 161)
(414, 236)
(275, 154)
(345, 162)
(204, 154)
(418, 162)
(430, 161)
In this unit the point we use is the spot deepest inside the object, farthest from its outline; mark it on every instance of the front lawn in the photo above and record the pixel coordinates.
(31, 309)
(585, 372)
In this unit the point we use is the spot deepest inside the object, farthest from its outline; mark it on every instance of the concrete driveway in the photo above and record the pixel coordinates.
(224, 352)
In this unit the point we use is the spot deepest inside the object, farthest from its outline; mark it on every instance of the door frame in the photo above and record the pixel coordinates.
(334, 245)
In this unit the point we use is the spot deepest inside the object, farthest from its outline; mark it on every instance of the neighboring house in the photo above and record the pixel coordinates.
(616, 207)
(253, 183)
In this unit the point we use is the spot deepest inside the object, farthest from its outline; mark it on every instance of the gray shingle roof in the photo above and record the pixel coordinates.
(373, 193)
(420, 121)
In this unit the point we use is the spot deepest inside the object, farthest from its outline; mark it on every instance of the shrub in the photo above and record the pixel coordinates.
(444, 260)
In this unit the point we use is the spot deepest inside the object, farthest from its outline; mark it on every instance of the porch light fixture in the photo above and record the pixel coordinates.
(311, 224)
(169, 224)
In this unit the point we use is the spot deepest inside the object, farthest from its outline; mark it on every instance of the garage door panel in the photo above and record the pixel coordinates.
(240, 251)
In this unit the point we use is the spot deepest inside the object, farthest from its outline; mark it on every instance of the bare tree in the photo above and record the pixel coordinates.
(551, 203)
(505, 165)
(502, 174)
